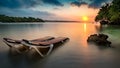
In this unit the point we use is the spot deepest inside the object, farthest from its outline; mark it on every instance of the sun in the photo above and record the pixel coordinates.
(85, 18)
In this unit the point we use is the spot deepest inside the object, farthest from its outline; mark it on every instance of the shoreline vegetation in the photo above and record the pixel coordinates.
(109, 13)
(10, 19)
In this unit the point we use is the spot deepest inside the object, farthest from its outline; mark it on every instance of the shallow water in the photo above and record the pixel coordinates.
(75, 53)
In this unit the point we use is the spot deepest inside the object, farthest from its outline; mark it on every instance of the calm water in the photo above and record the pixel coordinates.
(76, 53)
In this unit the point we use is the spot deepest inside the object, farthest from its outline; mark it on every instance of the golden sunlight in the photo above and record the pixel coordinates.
(85, 27)
(84, 18)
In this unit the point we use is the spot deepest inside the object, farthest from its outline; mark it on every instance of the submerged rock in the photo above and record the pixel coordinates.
(99, 39)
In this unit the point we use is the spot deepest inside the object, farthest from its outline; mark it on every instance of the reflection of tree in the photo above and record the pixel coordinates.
(101, 28)
(98, 28)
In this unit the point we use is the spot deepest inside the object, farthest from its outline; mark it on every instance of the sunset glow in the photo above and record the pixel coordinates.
(52, 10)
(76, 13)
(85, 18)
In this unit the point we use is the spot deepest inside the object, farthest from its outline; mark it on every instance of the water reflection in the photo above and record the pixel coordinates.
(85, 27)
(75, 53)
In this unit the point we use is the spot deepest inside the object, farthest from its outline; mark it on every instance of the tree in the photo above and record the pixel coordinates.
(4, 18)
(103, 13)
(110, 12)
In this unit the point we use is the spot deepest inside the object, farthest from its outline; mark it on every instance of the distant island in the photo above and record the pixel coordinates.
(10, 19)
(4, 18)
(109, 13)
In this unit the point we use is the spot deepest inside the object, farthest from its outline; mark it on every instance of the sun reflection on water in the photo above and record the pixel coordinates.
(85, 27)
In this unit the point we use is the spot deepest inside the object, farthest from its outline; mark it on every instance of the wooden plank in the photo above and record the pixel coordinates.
(42, 39)
(53, 41)
(12, 40)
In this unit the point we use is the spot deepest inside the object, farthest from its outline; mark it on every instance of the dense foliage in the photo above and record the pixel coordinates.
(4, 18)
(110, 12)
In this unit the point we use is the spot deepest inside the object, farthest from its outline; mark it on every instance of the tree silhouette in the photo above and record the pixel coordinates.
(4, 18)
(110, 12)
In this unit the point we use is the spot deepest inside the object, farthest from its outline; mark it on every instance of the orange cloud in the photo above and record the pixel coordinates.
(76, 13)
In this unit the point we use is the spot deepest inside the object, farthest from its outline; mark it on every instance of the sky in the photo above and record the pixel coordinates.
(72, 10)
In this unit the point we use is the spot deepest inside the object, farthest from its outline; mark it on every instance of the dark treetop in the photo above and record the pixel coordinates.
(109, 13)
(4, 18)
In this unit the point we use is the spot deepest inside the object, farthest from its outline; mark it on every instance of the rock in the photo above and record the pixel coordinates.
(103, 22)
(99, 39)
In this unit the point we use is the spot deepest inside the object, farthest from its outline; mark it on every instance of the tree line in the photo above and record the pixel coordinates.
(4, 18)
(109, 13)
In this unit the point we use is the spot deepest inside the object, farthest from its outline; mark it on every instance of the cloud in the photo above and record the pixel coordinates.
(27, 3)
(77, 3)
(98, 3)
(17, 3)
(31, 3)
(26, 13)
(44, 10)
(53, 2)
(23, 8)
(90, 3)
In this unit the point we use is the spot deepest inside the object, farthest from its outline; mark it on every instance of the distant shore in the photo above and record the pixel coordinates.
(10, 19)
(42, 22)
(59, 21)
